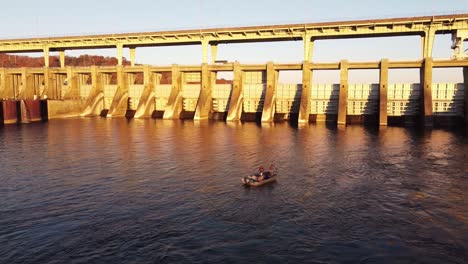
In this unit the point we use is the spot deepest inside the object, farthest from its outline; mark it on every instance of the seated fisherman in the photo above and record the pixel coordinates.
(258, 176)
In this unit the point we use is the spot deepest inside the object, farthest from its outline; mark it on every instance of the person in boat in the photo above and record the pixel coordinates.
(258, 176)
(267, 174)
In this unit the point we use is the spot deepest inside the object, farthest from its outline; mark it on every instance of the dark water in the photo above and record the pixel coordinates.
(153, 191)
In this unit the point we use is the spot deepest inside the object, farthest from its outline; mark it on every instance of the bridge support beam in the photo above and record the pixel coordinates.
(426, 92)
(214, 52)
(132, 56)
(204, 100)
(46, 57)
(427, 43)
(465, 77)
(62, 58)
(174, 103)
(206, 46)
(343, 97)
(304, 109)
(308, 48)
(383, 86)
(235, 103)
(268, 112)
(119, 54)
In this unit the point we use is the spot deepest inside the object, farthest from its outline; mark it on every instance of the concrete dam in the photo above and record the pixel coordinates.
(254, 93)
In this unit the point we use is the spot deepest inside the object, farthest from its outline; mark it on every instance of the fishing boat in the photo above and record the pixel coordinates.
(249, 181)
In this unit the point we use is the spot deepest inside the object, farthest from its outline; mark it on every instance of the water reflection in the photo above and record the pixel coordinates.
(145, 191)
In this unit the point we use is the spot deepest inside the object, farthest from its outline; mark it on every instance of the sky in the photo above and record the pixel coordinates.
(47, 18)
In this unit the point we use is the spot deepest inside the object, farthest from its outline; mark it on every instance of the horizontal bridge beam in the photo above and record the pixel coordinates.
(325, 30)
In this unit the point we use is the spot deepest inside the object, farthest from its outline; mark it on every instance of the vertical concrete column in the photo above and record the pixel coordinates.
(24, 87)
(132, 56)
(426, 92)
(120, 101)
(304, 108)
(383, 89)
(146, 105)
(268, 112)
(2, 83)
(427, 42)
(45, 94)
(46, 56)
(308, 47)
(174, 103)
(235, 103)
(62, 58)
(119, 54)
(343, 98)
(73, 87)
(204, 103)
(214, 52)
(465, 88)
(205, 46)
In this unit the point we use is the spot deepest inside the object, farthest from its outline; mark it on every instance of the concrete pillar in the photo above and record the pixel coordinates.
(214, 52)
(205, 46)
(46, 56)
(132, 56)
(308, 47)
(62, 58)
(465, 88)
(73, 87)
(426, 92)
(146, 105)
(2, 83)
(235, 104)
(427, 42)
(343, 98)
(119, 54)
(120, 101)
(174, 103)
(268, 112)
(304, 108)
(45, 94)
(383, 89)
(204, 103)
(26, 89)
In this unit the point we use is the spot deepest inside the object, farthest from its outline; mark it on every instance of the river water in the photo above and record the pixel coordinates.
(160, 191)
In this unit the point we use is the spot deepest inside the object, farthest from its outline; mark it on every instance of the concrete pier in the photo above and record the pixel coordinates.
(465, 77)
(120, 102)
(343, 98)
(304, 108)
(268, 112)
(383, 88)
(426, 93)
(235, 106)
(174, 104)
(146, 106)
(94, 103)
(203, 109)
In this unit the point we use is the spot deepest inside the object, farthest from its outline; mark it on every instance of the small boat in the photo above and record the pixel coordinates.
(250, 182)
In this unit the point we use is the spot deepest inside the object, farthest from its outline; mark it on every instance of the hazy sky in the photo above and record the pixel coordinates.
(53, 17)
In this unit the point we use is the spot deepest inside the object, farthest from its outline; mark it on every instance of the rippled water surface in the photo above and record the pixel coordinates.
(154, 191)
